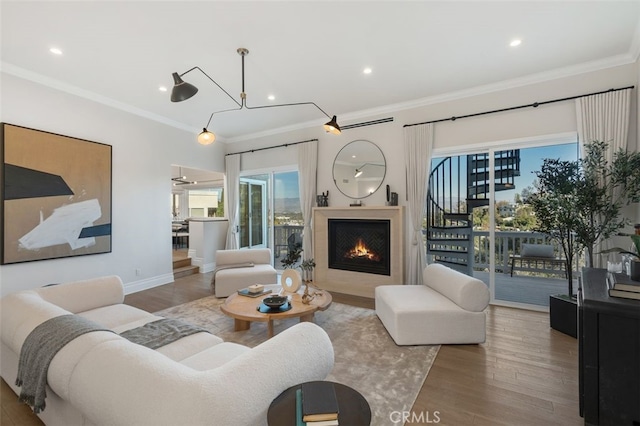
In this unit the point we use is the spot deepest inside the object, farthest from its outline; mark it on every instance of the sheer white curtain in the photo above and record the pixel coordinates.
(232, 168)
(307, 172)
(604, 117)
(418, 145)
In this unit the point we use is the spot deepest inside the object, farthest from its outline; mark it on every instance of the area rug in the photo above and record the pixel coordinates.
(366, 358)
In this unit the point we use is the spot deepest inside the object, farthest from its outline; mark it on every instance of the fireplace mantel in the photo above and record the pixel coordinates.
(349, 282)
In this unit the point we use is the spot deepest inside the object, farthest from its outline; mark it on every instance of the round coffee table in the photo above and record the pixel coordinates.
(353, 407)
(244, 310)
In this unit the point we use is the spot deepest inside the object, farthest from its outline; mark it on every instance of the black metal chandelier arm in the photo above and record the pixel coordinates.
(183, 91)
(219, 112)
(284, 105)
(214, 82)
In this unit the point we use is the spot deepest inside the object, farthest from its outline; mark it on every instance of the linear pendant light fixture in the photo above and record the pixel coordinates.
(183, 91)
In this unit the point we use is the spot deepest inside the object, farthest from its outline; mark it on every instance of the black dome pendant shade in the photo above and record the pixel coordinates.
(181, 89)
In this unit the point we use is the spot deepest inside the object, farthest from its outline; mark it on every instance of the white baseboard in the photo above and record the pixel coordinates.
(204, 267)
(136, 286)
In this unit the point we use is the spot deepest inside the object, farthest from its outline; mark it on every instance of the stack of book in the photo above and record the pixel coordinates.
(621, 285)
(316, 404)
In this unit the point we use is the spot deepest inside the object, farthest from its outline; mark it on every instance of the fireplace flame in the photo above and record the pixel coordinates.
(361, 251)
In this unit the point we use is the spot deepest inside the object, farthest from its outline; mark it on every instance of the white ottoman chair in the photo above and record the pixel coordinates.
(237, 269)
(448, 309)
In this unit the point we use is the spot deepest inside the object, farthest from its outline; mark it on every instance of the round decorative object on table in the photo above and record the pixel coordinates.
(262, 308)
(353, 407)
(275, 301)
(274, 304)
(291, 280)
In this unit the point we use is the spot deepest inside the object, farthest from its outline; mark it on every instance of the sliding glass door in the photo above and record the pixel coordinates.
(287, 215)
(480, 223)
(253, 212)
(270, 212)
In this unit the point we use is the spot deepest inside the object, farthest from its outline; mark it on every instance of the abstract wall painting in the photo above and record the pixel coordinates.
(56, 195)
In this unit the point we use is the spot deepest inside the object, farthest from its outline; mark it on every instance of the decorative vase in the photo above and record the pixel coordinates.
(634, 270)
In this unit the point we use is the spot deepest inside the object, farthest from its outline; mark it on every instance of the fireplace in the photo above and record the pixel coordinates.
(360, 245)
(350, 282)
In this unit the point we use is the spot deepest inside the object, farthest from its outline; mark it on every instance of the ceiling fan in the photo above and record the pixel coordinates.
(182, 180)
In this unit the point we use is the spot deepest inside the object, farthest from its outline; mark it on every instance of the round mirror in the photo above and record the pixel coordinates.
(359, 169)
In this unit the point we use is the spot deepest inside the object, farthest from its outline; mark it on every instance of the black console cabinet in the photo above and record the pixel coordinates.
(609, 353)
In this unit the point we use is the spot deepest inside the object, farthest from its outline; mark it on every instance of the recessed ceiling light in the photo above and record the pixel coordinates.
(367, 70)
(162, 88)
(55, 51)
(271, 98)
(515, 42)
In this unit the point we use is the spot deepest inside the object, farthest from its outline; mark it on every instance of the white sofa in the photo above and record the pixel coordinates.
(100, 378)
(230, 275)
(447, 309)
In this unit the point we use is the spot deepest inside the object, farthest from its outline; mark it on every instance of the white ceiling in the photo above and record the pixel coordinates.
(120, 52)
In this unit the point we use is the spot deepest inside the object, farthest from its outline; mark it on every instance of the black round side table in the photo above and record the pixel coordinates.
(354, 409)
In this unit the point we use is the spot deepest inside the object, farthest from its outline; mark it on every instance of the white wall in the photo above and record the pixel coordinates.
(143, 151)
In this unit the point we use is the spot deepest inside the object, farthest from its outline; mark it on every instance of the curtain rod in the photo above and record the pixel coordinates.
(271, 147)
(534, 105)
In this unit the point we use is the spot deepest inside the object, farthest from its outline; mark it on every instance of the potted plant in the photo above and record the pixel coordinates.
(578, 203)
(290, 261)
(554, 205)
(604, 188)
(307, 277)
(307, 269)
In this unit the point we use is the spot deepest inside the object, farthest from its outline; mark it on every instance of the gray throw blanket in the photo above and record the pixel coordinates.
(231, 266)
(161, 332)
(39, 348)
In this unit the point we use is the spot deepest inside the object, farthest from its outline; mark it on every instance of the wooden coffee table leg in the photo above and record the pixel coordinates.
(241, 325)
(308, 318)
(270, 328)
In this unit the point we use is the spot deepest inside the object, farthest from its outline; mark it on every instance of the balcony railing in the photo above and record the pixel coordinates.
(510, 243)
(281, 234)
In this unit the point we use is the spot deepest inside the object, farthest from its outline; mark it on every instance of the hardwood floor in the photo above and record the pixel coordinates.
(525, 374)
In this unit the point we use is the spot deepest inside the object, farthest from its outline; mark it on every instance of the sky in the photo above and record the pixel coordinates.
(530, 161)
(286, 185)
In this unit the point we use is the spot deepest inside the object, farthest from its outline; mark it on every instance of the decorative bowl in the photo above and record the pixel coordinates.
(275, 301)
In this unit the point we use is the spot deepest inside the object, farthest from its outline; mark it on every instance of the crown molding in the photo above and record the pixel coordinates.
(25, 74)
(542, 77)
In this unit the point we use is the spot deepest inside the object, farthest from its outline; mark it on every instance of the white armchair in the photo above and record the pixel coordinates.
(236, 269)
